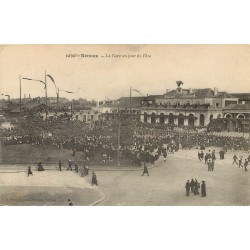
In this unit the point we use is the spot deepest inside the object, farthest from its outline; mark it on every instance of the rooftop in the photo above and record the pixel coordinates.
(238, 107)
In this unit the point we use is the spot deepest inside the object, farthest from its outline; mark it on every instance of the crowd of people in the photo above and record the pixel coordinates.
(100, 145)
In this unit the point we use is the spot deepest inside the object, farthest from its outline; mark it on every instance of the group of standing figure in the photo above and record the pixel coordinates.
(209, 159)
(194, 186)
(240, 162)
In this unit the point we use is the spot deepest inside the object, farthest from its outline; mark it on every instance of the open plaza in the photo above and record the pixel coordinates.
(226, 185)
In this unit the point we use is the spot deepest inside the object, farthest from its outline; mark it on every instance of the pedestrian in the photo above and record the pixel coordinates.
(235, 158)
(82, 171)
(202, 155)
(192, 185)
(187, 187)
(86, 170)
(69, 166)
(29, 171)
(212, 165)
(145, 170)
(40, 167)
(209, 165)
(94, 179)
(206, 158)
(245, 164)
(60, 165)
(213, 156)
(203, 189)
(70, 202)
(165, 156)
(196, 187)
(240, 162)
(76, 167)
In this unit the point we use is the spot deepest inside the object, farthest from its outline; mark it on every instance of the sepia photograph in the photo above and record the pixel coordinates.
(124, 125)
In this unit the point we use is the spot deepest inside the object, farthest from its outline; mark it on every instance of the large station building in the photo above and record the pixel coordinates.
(187, 107)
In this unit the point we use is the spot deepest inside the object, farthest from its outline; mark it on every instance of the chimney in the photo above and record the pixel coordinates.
(29, 96)
(24, 96)
(167, 90)
(215, 91)
(190, 91)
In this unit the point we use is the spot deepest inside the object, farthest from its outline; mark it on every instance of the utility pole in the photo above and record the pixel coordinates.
(20, 98)
(130, 100)
(57, 99)
(46, 97)
(118, 138)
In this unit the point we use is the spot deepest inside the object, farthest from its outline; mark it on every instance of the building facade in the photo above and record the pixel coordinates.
(187, 107)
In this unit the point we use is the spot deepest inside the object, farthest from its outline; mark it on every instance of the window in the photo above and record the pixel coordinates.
(92, 117)
(217, 105)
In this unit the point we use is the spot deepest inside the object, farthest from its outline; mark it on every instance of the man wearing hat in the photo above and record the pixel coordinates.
(70, 166)
(94, 179)
(60, 165)
(145, 170)
(29, 171)
(187, 186)
(203, 189)
(192, 185)
(245, 164)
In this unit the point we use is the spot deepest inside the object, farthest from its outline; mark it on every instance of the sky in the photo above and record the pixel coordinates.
(226, 67)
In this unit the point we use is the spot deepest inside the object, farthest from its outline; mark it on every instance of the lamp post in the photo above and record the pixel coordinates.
(118, 137)
(46, 90)
(8, 97)
(35, 80)
(20, 99)
(58, 91)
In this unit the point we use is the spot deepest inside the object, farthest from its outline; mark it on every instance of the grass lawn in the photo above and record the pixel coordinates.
(28, 154)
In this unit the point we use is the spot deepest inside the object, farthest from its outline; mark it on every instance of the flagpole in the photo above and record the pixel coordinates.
(57, 97)
(46, 95)
(20, 89)
(130, 101)
(118, 139)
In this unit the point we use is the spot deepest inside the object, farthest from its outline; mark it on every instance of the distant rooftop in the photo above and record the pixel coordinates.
(242, 96)
(238, 107)
(197, 93)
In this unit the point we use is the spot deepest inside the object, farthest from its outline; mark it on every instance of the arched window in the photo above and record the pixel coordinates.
(153, 119)
(181, 120)
(202, 120)
(191, 120)
(228, 115)
(145, 117)
(211, 117)
(240, 116)
(162, 118)
(171, 118)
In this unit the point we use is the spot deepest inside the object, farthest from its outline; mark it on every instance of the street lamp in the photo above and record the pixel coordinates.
(66, 91)
(118, 137)
(45, 87)
(8, 97)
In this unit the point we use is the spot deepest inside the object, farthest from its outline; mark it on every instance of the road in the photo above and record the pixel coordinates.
(227, 185)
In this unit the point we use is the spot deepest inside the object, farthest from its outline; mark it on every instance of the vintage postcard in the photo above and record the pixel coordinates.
(124, 125)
